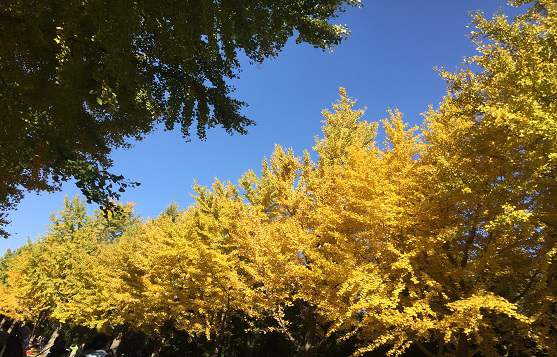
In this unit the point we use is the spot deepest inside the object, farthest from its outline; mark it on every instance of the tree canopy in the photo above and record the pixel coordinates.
(80, 78)
(440, 239)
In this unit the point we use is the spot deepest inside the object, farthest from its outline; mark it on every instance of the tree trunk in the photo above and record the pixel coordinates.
(3, 349)
(12, 326)
(462, 348)
(157, 349)
(115, 343)
(50, 343)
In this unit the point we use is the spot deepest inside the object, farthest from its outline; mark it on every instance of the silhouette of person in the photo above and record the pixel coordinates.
(14, 344)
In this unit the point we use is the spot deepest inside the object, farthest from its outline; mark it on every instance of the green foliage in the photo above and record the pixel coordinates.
(80, 78)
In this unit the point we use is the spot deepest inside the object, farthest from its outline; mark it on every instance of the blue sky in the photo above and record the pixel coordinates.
(387, 62)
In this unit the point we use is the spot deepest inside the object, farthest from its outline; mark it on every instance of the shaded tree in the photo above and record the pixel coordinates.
(80, 78)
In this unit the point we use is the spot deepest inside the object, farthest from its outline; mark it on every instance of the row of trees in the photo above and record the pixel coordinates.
(439, 239)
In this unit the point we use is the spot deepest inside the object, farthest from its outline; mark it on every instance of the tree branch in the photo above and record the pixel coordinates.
(526, 288)
(424, 350)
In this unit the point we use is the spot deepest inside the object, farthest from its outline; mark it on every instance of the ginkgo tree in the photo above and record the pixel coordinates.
(80, 79)
(438, 239)
(186, 269)
(47, 276)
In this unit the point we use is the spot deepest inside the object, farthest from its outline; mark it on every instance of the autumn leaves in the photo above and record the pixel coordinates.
(442, 237)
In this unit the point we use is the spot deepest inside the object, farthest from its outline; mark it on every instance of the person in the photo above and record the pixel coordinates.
(97, 347)
(14, 344)
(58, 348)
(25, 335)
(73, 350)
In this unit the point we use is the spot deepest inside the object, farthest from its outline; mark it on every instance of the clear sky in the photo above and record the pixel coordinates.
(387, 62)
